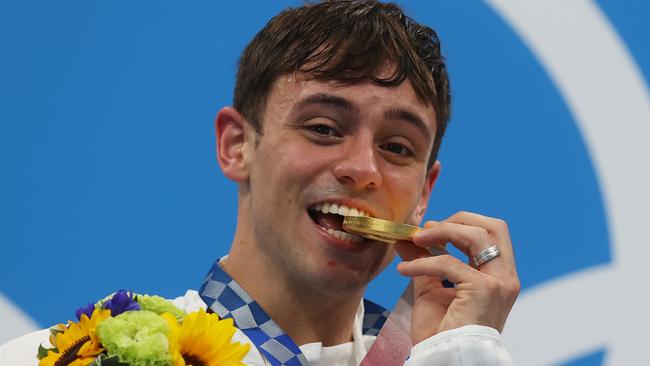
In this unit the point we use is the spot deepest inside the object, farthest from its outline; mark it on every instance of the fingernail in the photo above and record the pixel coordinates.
(430, 223)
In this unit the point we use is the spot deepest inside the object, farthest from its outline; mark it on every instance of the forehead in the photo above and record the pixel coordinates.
(290, 89)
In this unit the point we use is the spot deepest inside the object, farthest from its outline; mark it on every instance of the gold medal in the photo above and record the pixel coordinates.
(385, 231)
(379, 229)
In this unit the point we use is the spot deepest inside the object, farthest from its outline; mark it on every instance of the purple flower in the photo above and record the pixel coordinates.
(120, 302)
(88, 310)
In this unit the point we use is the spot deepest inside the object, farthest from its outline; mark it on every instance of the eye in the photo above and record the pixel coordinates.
(397, 149)
(323, 130)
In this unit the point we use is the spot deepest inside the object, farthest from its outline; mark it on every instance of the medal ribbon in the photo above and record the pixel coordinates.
(393, 343)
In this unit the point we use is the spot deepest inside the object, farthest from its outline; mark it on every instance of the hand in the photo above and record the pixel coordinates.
(482, 296)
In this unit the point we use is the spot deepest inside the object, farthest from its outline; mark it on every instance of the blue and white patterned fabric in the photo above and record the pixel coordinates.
(374, 317)
(228, 299)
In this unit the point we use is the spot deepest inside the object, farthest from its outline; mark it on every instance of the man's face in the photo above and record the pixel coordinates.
(362, 146)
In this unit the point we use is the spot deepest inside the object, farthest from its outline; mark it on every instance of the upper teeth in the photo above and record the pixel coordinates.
(335, 208)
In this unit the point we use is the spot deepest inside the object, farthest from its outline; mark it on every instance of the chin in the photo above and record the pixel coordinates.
(342, 285)
(339, 278)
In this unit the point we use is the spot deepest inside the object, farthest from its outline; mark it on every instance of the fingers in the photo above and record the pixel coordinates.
(469, 239)
(446, 266)
(443, 266)
(482, 298)
(471, 233)
(496, 228)
(485, 295)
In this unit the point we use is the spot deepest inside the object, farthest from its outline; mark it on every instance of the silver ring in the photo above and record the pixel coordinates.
(486, 255)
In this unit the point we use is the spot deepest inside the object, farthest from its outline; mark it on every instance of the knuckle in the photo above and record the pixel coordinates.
(479, 235)
(461, 214)
(509, 289)
(482, 233)
(492, 285)
(449, 261)
(446, 259)
(445, 228)
(514, 288)
(500, 224)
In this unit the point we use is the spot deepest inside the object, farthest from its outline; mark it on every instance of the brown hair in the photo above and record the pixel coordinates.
(348, 41)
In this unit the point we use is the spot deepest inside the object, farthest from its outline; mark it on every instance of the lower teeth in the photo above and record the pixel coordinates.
(344, 236)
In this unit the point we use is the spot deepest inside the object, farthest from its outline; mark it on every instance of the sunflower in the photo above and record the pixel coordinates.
(204, 340)
(77, 344)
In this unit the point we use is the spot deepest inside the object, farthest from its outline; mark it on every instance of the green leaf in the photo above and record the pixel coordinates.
(54, 331)
(42, 351)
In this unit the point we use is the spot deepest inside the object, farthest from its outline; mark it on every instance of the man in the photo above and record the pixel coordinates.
(340, 108)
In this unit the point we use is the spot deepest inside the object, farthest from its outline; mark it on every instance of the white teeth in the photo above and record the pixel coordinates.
(343, 210)
(344, 236)
(336, 209)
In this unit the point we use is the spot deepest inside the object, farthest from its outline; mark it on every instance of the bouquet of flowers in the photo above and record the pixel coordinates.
(126, 329)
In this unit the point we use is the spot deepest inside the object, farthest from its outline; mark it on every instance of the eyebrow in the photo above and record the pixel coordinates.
(328, 100)
(342, 103)
(406, 115)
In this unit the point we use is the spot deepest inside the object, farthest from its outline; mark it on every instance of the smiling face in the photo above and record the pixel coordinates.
(340, 149)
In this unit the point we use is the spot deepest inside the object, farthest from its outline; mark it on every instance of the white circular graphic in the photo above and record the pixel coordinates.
(602, 307)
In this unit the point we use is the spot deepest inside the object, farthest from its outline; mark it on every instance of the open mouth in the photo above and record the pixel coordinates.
(329, 216)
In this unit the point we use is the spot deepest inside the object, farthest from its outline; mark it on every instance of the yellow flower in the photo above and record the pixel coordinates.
(204, 340)
(77, 344)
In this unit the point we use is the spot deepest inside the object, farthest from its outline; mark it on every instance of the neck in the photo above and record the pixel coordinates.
(306, 314)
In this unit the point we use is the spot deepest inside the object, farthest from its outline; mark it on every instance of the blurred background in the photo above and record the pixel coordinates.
(108, 177)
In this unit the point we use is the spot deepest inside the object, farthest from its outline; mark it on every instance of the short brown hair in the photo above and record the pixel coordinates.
(348, 41)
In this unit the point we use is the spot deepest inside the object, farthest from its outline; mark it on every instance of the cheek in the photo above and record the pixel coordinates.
(405, 188)
(285, 171)
(301, 164)
(383, 261)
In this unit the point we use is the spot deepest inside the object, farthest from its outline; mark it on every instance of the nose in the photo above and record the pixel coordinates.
(358, 167)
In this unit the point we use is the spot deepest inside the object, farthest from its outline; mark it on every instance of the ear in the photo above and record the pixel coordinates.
(429, 183)
(232, 144)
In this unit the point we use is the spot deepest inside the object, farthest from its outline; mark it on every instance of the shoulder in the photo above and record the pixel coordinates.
(22, 351)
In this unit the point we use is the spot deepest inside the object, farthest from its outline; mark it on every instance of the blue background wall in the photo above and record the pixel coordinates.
(107, 171)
